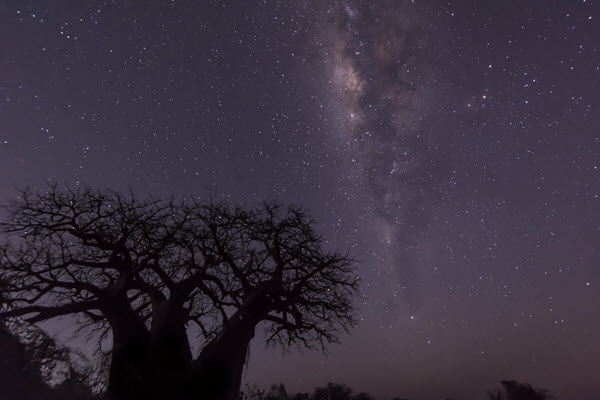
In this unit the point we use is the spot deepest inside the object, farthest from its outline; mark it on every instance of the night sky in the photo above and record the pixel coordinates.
(452, 147)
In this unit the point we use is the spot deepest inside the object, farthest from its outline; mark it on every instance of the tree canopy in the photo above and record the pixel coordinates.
(144, 270)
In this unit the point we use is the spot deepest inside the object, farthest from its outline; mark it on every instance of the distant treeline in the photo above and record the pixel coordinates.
(511, 390)
(333, 391)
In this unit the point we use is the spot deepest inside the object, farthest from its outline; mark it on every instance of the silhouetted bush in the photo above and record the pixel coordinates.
(513, 390)
(333, 391)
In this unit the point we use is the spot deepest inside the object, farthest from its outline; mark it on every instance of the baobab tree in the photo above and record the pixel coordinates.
(148, 271)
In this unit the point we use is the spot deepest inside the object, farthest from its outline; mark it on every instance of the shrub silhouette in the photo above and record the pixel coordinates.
(27, 358)
(513, 390)
(333, 391)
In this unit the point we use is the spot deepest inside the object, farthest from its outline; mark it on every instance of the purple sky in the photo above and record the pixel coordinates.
(452, 147)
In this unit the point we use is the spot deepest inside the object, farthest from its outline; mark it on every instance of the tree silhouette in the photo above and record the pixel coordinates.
(277, 392)
(252, 392)
(146, 270)
(29, 360)
(333, 391)
(23, 369)
(514, 390)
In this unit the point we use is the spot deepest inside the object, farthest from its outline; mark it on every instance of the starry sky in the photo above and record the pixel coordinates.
(452, 146)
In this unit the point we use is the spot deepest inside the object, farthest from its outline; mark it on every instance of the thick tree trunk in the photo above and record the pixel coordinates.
(149, 364)
(217, 372)
(170, 354)
(128, 366)
(128, 369)
(157, 364)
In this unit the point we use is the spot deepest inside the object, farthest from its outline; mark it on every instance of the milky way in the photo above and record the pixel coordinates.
(451, 147)
(377, 59)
